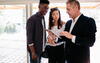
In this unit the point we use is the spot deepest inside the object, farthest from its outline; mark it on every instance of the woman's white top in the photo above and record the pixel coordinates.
(57, 32)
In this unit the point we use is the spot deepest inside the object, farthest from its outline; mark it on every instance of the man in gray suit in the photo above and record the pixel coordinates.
(36, 34)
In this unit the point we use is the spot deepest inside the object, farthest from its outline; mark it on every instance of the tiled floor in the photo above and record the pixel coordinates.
(12, 56)
(12, 51)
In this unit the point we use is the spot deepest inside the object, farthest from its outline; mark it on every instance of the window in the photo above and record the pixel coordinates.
(93, 11)
(12, 34)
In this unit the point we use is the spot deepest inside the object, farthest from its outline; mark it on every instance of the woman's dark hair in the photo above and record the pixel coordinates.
(51, 23)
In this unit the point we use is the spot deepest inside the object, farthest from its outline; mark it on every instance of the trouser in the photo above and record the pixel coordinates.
(56, 54)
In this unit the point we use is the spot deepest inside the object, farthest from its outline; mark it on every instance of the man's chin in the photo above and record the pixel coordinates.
(44, 14)
(70, 16)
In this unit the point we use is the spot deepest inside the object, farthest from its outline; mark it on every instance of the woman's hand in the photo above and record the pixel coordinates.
(51, 40)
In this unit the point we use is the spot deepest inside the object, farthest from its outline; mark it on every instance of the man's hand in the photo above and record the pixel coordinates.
(66, 34)
(34, 56)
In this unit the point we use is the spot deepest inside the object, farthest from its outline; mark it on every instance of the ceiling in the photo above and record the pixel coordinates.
(36, 1)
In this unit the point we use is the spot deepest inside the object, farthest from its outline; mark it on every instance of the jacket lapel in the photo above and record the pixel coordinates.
(76, 26)
(68, 25)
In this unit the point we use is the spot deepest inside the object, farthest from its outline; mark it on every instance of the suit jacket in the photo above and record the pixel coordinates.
(84, 30)
(34, 30)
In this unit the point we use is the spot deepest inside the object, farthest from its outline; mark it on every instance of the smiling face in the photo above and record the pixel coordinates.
(43, 8)
(73, 10)
(55, 15)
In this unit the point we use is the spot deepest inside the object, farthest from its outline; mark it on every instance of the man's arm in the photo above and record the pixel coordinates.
(30, 30)
(32, 50)
(89, 39)
(30, 36)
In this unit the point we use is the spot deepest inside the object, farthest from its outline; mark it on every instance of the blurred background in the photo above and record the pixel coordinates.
(13, 18)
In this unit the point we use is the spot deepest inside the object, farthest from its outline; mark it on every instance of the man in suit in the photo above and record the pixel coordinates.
(36, 34)
(79, 34)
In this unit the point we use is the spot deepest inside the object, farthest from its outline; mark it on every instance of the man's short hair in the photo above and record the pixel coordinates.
(74, 2)
(44, 2)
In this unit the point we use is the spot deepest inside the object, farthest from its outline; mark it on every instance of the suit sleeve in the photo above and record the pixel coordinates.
(89, 38)
(30, 30)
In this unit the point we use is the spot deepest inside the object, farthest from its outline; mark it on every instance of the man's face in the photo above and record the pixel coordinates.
(71, 10)
(43, 8)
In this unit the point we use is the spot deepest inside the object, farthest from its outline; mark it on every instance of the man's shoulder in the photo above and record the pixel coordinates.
(69, 21)
(33, 18)
(86, 17)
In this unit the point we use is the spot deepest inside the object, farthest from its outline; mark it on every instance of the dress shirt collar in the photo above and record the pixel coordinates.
(73, 23)
(75, 20)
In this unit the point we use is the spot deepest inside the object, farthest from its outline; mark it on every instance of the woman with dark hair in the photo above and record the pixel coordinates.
(56, 25)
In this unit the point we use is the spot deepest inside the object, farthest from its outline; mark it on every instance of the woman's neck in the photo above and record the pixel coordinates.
(55, 23)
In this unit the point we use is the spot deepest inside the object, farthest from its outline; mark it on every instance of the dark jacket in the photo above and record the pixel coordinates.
(35, 32)
(84, 30)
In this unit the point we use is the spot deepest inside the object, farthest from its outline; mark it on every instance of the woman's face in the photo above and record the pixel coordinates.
(55, 15)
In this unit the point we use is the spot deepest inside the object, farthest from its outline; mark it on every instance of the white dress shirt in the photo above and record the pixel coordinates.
(72, 26)
(44, 43)
(57, 31)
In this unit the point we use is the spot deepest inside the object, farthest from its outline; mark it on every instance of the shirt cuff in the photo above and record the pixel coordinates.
(31, 44)
(56, 39)
(73, 39)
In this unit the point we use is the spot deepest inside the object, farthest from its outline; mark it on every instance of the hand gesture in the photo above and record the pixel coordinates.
(66, 34)
(51, 40)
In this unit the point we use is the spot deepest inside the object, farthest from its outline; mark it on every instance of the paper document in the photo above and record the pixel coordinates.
(53, 33)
